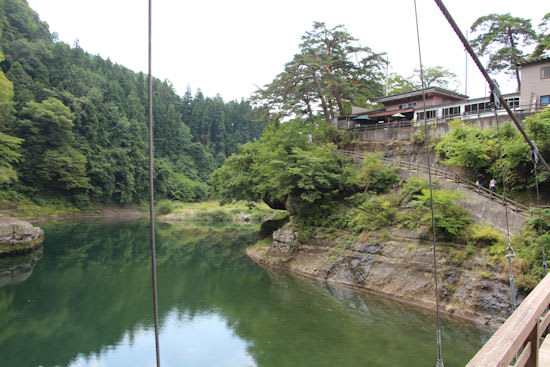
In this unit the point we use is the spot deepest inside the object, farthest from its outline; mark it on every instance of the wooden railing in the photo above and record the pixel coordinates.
(516, 343)
(416, 166)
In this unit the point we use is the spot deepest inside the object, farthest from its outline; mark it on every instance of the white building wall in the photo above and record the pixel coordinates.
(532, 86)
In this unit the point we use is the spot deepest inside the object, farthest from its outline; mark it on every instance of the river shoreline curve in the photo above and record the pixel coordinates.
(398, 268)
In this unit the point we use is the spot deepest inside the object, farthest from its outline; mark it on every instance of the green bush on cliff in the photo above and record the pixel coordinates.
(376, 212)
(528, 247)
(478, 150)
(450, 219)
(482, 235)
(376, 175)
(414, 186)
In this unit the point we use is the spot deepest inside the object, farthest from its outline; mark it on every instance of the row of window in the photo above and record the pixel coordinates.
(474, 107)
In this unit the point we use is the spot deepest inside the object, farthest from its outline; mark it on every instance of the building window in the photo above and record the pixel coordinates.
(451, 111)
(544, 101)
(545, 72)
(470, 108)
(512, 102)
(484, 106)
(429, 115)
(412, 104)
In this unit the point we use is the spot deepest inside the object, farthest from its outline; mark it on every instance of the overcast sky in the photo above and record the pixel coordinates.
(231, 47)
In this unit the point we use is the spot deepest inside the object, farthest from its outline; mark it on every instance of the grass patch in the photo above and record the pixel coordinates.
(384, 236)
(266, 242)
(212, 211)
(20, 206)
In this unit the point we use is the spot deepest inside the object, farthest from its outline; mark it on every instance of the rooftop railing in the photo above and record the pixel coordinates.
(480, 113)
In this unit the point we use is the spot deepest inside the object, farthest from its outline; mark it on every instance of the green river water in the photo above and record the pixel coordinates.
(85, 300)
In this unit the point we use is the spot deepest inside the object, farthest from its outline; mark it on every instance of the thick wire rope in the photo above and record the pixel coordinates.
(510, 254)
(493, 85)
(151, 191)
(537, 156)
(541, 232)
(439, 356)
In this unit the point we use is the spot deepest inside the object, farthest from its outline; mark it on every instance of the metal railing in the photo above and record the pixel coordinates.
(383, 126)
(472, 186)
(519, 338)
(480, 113)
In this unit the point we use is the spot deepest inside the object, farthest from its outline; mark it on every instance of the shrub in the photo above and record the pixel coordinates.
(409, 219)
(376, 212)
(419, 137)
(376, 175)
(414, 186)
(164, 206)
(384, 236)
(218, 215)
(483, 235)
(450, 219)
(528, 247)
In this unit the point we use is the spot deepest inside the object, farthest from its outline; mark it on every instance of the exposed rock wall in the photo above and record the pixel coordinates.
(400, 267)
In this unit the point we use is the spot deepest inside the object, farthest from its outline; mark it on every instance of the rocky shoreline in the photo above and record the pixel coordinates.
(399, 267)
(18, 237)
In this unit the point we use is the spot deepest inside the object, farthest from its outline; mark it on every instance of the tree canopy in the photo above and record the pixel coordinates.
(502, 36)
(330, 71)
(434, 76)
(286, 171)
(543, 38)
(74, 125)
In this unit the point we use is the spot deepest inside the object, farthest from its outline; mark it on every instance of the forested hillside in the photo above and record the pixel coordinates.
(73, 125)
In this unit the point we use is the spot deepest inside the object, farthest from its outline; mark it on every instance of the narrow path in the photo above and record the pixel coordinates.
(465, 184)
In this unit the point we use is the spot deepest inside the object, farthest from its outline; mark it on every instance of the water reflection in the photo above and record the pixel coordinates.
(88, 303)
(17, 269)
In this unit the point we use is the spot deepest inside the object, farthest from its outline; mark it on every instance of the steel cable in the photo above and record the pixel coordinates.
(438, 321)
(151, 191)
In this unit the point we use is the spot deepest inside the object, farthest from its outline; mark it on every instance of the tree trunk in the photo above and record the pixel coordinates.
(338, 98)
(514, 58)
(309, 110)
(323, 102)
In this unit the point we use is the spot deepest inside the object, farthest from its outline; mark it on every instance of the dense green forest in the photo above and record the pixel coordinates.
(73, 125)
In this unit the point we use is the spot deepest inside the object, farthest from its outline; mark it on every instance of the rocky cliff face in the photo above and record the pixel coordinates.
(18, 236)
(399, 267)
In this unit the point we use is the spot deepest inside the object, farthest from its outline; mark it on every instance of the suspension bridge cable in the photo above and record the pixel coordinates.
(493, 85)
(510, 254)
(535, 161)
(151, 191)
(497, 96)
(438, 325)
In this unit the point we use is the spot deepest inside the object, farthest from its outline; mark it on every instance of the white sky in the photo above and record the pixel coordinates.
(230, 47)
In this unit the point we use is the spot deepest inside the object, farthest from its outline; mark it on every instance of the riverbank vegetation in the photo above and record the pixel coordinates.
(329, 196)
(213, 212)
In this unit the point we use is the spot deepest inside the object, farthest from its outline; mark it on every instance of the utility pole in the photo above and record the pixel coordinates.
(387, 74)
(466, 73)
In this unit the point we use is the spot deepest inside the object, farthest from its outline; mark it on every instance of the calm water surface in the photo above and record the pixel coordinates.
(86, 301)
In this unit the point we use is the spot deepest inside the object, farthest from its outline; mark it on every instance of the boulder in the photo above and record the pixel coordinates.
(18, 235)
